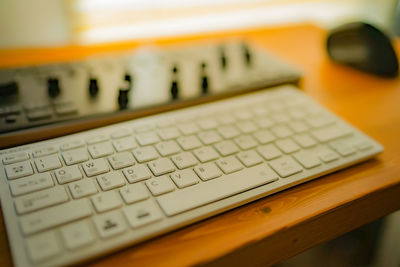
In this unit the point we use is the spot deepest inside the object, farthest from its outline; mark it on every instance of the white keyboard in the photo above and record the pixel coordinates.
(63, 198)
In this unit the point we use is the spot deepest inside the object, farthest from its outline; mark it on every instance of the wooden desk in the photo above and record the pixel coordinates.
(279, 226)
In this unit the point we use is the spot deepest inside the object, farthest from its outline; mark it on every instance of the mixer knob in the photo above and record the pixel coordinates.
(93, 87)
(53, 87)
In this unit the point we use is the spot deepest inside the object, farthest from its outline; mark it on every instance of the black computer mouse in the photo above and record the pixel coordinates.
(364, 47)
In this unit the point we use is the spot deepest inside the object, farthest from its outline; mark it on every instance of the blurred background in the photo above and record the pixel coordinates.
(25, 23)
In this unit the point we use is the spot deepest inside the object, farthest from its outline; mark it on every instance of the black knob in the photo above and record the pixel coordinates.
(123, 98)
(204, 79)
(93, 87)
(53, 87)
(128, 77)
(174, 83)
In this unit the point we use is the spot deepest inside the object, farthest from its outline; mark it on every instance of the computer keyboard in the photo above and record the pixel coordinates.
(73, 198)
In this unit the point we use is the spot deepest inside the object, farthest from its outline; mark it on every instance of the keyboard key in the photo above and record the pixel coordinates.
(246, 142)
(280, 117)
(142, 213)
(285, 166)
(143, 154)
(124, 144)
(246, 126)
(189, 128)
(208, 171)
(97, 139)
(111, 180)
(184, 178)
(287, 145)
(327, 155)
(331, 132)
(167, 148)
(229, 164)
(137, 173)
(43, 246)
(41, 199)
(54, 216)
(106, 201)
(249, 158)
(269, 152)
(304, 140)
(189, 142)
(95, 167)
(228, 131)
(160, 185)
(195, 196)
(168, 133)
(82, 188)
(226, 119)
(75, 156)
(264, 122)
(206, 153)
(362, 145)
(342, 147)
(121, 160)
(209, 137)
(307, 159)
(110, 224)
(148, 138)
(208, 124)
(161, 166)
(264, 136)
(77, 235)
(319, 120)
(120, 134)
(298, 126)
(100, 150)
(281, 131)
(44, 151)
(134, 193)
(184, 160)
(30, 184)
(47, 163)
(226, 148)
(15, 157)
(18, 170)
(71, 145)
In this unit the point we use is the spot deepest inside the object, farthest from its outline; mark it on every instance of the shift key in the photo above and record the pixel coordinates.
(54, 216)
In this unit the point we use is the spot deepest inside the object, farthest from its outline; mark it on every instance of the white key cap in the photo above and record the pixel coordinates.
(111, 180)
(287, 145)
(161, 166)
(206, 153)
(120, 133)
(184, 160)
(188, 128)
(207, 124)
(226, 119)
(41, 199)
(143, 154)
(226, 148)
(147, 138)
(342, 147)
(269, 152)
(264, 122)
(97, 139)
(15, 157)
(82, 188)
(327, 155)
(298, 126)
(208, 171)
(246, 126)
(47, 163)
(203, 193)
(106, 201)
(75, 156)
(121, 160)
(331, 132)
(44, 151)
(246, 142)
(124, 144)
(285, 166)
(142, 213)
(229, 164)
(160, 185)
(134, 193)
(362, 145)
(259, 110)
(281, 131)
(167, 148)
(100, 150)
(30, 184)
(43, 246)
(319, 120)
(209, 137)
(184, 178)
(249, 158)
(68, 174)
(189, 142)
(307, 159)
(95, 167)
(77, 235)
(110, 224)
(18, 170)
(54, 216)
(264, 136)
(305, 140)
(168, 133)
(71, 145)
(137, 173)
(280, 117)
(228, 131)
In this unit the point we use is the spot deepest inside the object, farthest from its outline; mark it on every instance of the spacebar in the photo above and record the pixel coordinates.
(207, 192)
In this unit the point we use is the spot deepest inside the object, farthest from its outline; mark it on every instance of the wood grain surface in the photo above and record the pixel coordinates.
(277, 227)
